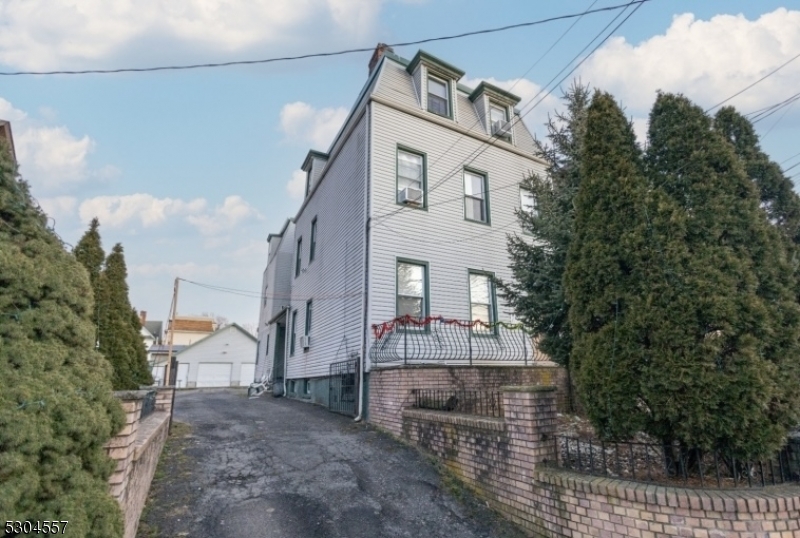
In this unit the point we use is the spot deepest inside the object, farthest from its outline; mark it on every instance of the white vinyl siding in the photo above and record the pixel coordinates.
(335, 281)
(229, 345)
(527, 202)
(440, 236)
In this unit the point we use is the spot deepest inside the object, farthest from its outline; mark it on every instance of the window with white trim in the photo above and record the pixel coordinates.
(481, 298)
(410, 175)
(438, 96)
(528, 202)
(411, 289)
(498, 117)
(475, 206)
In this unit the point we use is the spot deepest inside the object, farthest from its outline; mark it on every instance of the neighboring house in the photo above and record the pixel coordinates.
(188, 330)
(5, 134)
(226, 358)
(151, 332)
(405, 214)
(158, 359)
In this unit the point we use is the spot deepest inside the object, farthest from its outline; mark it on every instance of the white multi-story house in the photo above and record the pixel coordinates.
(406, 214)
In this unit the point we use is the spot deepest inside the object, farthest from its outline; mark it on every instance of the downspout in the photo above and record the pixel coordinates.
(365, 303)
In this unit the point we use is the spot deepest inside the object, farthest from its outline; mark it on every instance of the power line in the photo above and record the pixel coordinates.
(790, 60)
(485, 145)
(261, 296)
(315, 54)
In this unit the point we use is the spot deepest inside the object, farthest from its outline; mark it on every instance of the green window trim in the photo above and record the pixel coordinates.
(426, 303)
(424, 183)
(312, 248)
(492, 305)
(448, 85)
(298, 258)
(293, 337)
(467, 197)
(308, 317)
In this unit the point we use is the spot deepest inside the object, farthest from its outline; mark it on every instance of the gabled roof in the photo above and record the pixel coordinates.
(193, 324)
(155, 328)
(218, 331)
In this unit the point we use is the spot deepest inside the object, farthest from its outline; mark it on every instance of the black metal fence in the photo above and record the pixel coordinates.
(408, 340)
(343, 382)
(673, 465)
(473, 402)
(148, 405)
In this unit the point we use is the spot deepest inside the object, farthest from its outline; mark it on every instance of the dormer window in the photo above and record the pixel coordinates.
(498, 116)
(438, 97)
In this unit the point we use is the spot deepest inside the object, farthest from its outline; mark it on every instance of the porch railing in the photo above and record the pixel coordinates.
(407, 340)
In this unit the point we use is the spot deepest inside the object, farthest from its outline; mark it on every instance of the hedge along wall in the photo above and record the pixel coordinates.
(390, 389)
(502, 460)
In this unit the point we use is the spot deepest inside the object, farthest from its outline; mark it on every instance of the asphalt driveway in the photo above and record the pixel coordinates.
(278, 468)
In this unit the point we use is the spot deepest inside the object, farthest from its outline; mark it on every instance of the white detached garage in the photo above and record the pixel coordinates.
(225, 358)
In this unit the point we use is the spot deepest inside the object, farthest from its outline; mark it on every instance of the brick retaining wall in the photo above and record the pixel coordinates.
(504, 462)
(136, 449)
(390, 388)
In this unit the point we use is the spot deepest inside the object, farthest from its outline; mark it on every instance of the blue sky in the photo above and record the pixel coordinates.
(190, 170)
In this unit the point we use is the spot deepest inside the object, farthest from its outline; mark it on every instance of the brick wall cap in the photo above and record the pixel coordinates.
(542, 366)
(530, 388)
(131, 394)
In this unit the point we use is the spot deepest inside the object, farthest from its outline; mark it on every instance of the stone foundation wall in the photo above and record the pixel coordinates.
(136, 449)
(390, 388)
(505, 462)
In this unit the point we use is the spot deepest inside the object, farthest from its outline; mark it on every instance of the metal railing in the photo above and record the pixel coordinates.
(148, 405)
(673, 465)
(410, 340)
(472, 402)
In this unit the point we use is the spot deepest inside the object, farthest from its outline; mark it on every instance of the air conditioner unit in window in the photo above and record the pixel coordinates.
(411, 196)
(501, 128)
(305, 341)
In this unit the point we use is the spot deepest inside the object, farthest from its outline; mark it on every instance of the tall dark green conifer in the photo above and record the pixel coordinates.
(725, 372)
(538, 259)
(119, 336)
(56, 406)
(604, 271)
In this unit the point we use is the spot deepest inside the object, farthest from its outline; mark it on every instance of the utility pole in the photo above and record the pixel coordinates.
(171, 329)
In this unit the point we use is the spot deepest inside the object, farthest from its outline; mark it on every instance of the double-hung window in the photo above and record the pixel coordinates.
(481, 299)
(312, 249)
(476, 205)
(412, 289)
(528, 203)
(410, 177)
(308, 317)
(438, 97)
(298, 258)
(498, 116)
(293, 338)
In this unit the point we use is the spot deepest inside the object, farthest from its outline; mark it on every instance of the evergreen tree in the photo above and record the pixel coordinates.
(89, 251)
(56, 406)
(537, 261)
(604, 271)
(119, 337)
(725, 370)
(776, 191)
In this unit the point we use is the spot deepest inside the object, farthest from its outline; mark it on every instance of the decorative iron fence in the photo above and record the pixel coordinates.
(148, 405)
(472, 402)
(409, 340)
(343, 382)
(672, 465)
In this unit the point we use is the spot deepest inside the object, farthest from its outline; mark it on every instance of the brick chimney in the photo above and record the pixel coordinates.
(378, 54)
(142, 316)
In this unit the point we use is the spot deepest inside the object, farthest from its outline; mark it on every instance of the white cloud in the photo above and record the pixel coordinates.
(51, 157)
(59, 206)
(116, 211)
(708, 61)
(46, 34)
(530, 93)
(304, 124)
(185, 270)
(233, 211)
(296, 187)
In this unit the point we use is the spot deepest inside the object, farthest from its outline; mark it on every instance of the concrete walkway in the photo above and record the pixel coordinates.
(277, 468)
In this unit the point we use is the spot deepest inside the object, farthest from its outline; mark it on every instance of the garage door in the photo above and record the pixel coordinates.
(214, 374)
(248, 373)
